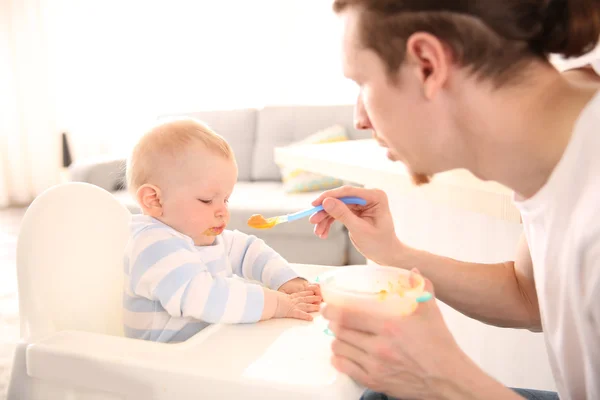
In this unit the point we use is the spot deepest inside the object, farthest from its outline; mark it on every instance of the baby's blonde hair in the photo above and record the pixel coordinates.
(166, 142)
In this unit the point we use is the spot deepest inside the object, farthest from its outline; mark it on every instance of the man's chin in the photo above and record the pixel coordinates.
(420, 179)
(417, 179)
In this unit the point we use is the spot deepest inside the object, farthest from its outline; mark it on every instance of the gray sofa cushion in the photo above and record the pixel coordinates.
(238, 127)
(280, 126)
(106, 172)
(311, 250)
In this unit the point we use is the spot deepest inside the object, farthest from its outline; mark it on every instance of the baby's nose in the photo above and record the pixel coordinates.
(221, 211)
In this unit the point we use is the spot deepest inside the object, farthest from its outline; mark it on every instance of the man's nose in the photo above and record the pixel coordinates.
(361, 119)
(362, 123)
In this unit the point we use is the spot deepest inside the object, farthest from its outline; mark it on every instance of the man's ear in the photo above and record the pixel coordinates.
(149, 199)
(430, 60)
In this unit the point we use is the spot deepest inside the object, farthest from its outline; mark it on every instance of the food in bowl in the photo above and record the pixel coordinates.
(379, 289)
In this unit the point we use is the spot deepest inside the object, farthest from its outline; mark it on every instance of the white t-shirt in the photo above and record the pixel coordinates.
(562, 226)
(596, 65)
(592, 58)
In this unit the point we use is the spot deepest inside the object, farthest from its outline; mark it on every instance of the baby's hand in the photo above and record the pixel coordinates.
(297, 305)
(297, 285)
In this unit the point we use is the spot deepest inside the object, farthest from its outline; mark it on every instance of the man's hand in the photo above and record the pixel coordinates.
(371, 227)
(412, 356)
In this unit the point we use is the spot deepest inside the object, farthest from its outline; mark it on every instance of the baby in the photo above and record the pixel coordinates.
(184, 271)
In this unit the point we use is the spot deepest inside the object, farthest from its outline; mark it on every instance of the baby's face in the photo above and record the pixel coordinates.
(196, 203)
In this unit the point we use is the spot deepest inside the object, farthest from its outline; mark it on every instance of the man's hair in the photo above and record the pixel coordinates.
(493, 38)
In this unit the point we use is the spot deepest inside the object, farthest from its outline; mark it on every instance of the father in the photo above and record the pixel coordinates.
(467, 84)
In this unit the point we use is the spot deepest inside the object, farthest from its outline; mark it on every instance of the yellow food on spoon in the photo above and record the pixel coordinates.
(259, 222)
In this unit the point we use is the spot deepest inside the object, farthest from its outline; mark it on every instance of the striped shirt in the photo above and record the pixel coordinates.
(174, 289)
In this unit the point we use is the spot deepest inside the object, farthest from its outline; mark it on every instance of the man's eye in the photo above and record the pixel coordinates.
(227, 200)
(206, 201)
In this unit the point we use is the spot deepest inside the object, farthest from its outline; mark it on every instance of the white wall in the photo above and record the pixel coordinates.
(118, 63)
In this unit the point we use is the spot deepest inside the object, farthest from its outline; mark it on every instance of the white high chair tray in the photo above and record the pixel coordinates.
(274, 359)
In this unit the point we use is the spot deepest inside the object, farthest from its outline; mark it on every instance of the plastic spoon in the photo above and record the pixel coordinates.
(257, 221)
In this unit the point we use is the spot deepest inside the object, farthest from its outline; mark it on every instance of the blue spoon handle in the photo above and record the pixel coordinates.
(311, 211)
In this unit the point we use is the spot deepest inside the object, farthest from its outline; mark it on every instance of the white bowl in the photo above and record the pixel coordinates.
(387, 290)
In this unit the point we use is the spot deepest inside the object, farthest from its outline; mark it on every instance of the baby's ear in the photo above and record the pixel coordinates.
(148, 197)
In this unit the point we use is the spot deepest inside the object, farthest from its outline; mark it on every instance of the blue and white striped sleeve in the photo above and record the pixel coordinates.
(165, 268)
(252, 259)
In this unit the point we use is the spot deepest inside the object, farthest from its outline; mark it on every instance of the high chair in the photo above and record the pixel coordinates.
(70, 274)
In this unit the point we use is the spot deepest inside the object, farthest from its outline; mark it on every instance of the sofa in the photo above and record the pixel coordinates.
(254, 134)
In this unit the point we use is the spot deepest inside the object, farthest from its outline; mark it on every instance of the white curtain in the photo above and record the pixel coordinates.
(29, 139)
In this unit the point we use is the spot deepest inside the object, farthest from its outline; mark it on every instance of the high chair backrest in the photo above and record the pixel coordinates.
(70, 255)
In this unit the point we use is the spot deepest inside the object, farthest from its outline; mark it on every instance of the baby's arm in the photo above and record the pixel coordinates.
(252, 259)
(166, 269)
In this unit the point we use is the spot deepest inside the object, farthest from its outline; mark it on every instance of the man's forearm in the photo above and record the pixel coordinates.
(490, 293)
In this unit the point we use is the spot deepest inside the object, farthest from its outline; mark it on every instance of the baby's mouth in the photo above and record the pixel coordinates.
(215, 231)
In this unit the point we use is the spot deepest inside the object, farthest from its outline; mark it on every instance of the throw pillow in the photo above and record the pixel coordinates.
(299, 181)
